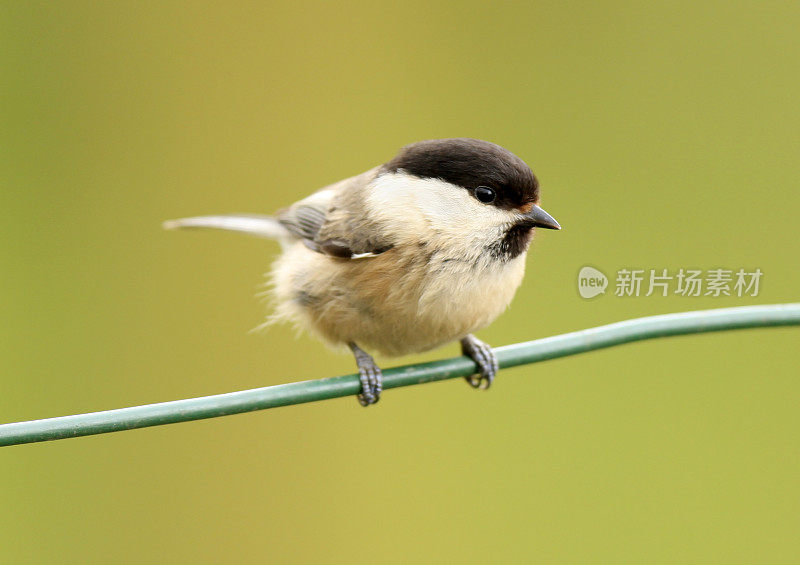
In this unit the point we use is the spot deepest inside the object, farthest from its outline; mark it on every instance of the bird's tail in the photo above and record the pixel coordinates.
(259, 226)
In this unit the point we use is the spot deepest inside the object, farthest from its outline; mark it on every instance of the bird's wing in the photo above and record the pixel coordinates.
(333, 221)
(305, 218)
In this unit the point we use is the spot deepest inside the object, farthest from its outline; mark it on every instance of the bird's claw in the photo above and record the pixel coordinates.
(371, 384)
(370, 376)
(484, 358)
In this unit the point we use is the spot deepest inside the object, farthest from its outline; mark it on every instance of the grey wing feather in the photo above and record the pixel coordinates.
(304, 220)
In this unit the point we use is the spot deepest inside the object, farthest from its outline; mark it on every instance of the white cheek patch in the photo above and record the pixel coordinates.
(413, 206)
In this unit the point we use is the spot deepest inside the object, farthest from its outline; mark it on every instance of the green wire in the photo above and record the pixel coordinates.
(348, 385)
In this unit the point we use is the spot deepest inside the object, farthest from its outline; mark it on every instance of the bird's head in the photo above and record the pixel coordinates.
(465, 190)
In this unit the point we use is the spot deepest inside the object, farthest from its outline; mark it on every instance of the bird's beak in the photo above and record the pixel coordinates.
(541, 219)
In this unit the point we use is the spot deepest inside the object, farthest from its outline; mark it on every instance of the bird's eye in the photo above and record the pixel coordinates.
(485, 194)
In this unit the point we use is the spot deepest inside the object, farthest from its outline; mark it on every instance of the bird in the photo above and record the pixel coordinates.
(420, 251)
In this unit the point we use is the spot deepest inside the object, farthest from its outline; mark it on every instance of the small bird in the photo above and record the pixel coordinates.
(420, 251)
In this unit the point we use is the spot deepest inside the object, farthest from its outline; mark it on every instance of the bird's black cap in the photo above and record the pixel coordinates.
(471, 163)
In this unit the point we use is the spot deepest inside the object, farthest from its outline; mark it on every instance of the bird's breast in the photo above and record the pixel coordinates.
(405, 300)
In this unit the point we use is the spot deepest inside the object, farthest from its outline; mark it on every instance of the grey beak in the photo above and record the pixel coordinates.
(541, 219)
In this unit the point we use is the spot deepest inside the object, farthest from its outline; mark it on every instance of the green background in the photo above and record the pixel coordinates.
(664, 134)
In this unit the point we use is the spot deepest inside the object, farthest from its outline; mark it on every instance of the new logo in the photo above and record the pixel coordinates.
(591, 282)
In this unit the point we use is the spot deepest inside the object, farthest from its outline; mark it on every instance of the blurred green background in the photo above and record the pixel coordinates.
(665, 135)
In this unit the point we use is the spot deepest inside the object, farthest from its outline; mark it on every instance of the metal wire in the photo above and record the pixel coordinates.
(348, 385)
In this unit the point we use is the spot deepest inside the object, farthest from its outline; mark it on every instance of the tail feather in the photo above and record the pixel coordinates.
(259, 226)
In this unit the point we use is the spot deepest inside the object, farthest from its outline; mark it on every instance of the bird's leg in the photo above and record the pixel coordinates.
(369, 374)
(484, 358)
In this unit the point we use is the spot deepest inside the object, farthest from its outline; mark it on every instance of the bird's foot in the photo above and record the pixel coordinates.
(484, 358)
(370, 375)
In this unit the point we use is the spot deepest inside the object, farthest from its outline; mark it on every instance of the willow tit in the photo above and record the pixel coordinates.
(420, 251)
